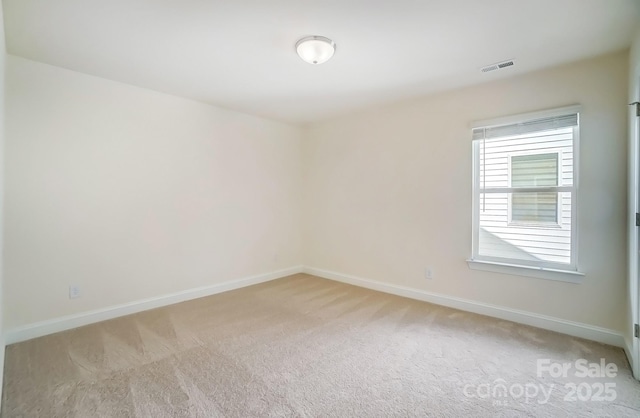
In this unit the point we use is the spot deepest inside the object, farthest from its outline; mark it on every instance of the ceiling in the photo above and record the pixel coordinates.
(240, 54)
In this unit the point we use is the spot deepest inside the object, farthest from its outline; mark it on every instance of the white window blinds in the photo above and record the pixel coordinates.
(536, 125)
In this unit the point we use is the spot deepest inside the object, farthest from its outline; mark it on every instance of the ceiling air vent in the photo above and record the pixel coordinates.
(498, 66)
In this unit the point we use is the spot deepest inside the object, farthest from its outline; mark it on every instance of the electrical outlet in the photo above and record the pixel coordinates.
(429, 273)
(74, 291)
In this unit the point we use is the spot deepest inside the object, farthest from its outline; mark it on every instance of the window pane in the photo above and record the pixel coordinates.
(526, 227)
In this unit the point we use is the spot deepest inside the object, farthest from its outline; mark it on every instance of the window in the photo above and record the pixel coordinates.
(525, 190)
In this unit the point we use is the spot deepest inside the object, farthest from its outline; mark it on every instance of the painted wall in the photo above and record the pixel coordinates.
(388, 192)
(132, 194)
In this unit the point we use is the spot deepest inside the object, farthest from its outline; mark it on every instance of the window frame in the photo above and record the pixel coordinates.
(541, 269)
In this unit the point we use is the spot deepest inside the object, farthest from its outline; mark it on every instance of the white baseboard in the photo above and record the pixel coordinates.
(576, 329)
(64, 323)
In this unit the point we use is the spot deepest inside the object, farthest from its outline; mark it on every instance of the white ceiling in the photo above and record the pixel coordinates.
(240, 54)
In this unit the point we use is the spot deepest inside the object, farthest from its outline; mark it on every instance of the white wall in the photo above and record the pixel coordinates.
(388, 192)
(132, 194)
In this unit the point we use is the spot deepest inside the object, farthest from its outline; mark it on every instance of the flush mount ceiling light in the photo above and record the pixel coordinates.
(315, 49)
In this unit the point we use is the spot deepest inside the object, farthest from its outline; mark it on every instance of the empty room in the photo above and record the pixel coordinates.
(418, 208)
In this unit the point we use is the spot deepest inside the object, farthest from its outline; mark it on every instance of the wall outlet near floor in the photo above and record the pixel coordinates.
(428, 273)
(74, 291)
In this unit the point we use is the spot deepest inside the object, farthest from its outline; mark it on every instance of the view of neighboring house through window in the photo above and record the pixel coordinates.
(524, 192)
(534, 170)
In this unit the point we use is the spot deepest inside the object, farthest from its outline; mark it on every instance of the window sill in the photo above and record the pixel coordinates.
(528, 271)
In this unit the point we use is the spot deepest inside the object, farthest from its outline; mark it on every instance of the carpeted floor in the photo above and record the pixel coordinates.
(308, 347)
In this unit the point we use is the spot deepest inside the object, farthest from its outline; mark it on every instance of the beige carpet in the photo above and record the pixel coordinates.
(308, 347)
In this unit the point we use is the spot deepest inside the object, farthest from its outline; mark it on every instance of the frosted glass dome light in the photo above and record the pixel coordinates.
(315, 49)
